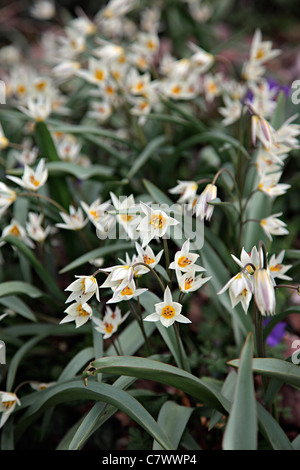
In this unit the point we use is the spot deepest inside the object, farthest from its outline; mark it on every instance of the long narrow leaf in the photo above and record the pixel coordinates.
(241, 428)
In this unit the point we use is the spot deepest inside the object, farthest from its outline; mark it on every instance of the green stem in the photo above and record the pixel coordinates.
(179, 344)
(167, 256)
(141, 325)
(260, 345)
(153, 271)
(46, 198)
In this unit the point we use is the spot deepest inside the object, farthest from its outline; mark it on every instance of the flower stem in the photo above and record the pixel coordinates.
(258, 319)
(141, 325)
(179, 344)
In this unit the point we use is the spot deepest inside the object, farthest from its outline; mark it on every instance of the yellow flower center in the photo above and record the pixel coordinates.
(275, 268)
(99, 74)
(126, 291)
(8, 404)
(176, 89)
(147, 259)
(184, 261)
(15, 231)
(260, 54)
(125, 218)
(34, 181)
(40, 85)
(82, 312)
(157, 221)
(168, 312)
(108, 327)
(188, 283)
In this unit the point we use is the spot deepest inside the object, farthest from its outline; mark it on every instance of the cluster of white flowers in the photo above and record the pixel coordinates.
(256, 280)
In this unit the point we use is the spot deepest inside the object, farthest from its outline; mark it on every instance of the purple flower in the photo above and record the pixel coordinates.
(276, 334)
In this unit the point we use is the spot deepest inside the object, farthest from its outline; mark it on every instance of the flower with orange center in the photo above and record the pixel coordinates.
(184, 260)
(110, 322)
(79, 312)
(32, 179)
(186, 189)
(167, 312)
(125, 291)
(8, 402)
(189, 282)
(154, 224)
(146, 256)
(83, 288)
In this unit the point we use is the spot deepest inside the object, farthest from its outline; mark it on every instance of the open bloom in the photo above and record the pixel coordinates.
(78, 312)
(74, 221)
(7, 197)
(147, 256)
(83, 289)
(167, 312)
(154, 224)
(240, 290)
(35, 229)
(273, 226)
(15, 229)
(4, 142)
(277, 269)
(125, 290)
(186, 189)
(8, 402)
(203, 209)
(184, 260)
(189, 282)
(32, 179)
(110, 322)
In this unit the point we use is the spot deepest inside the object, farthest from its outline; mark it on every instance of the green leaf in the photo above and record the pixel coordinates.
(272, 431)
(63, 393)
(18, 306)
(95, 171)
(145, 155)
(275, 368)
(17, 358)
(19, 287)
(58, 187)
(159, 372)
(241, 428)
(46, 278)
(173, 419)
(97, 253)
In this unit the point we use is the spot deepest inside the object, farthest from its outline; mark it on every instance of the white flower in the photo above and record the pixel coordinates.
(148, 257)
(83, 289)
(269, 185)
(264, 292)
(110, 322)
(78, 312)
(34, 227)
(74, 221)
(277, 269)
(200, 58)
(96, 212)
(8, 402)
(202, 208)
(261, 51)
(240, 290)
(167, 312)
(4, 142)
(32, 179)
(184, 260)
(39, 107)
(7, 197)
(154, 224)
(186, 189)
(15, 229)
(189, 282)
(97, 72)
(273, 226)
(125, 218)
(231, 111)
(43, 10)
(125, 291)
